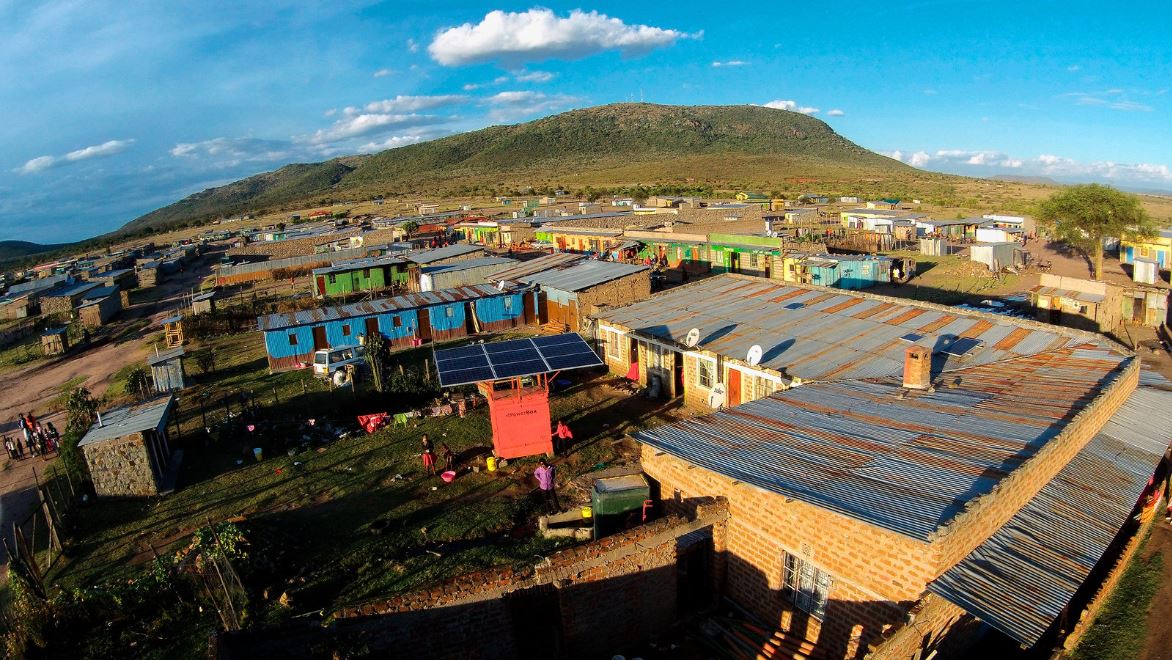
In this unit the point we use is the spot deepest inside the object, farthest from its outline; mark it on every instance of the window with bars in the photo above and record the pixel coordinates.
(807, 586)
(704, 373)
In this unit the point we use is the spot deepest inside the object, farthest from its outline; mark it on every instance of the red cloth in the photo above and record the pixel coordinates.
(428, 459)
(633, 372)
(563, 432)
(374, 422)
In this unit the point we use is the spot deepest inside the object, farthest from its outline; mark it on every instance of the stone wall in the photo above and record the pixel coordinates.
(121, 467)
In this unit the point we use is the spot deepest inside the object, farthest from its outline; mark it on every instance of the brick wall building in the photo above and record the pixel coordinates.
(127, 449)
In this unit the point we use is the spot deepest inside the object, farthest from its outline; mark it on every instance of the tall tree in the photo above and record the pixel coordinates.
(1084, 215)
(378, 357)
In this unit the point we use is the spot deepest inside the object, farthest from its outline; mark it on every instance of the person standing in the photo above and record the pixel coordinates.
(546, 478)
(563, 437)
(11, 447)
(428, 462)
(449, 457)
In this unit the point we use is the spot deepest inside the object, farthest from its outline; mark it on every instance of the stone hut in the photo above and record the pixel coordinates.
(128, 451)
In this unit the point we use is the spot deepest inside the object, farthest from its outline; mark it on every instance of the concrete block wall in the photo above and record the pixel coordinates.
(121, 467)
(877, 574)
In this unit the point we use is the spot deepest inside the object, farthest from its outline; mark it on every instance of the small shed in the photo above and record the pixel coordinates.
(1145, 271)
(55, 341)
(173, 331)
(998, 256)
(461, 273)
(128, 451)
(933, 247)
(203, 303)
(167, 370)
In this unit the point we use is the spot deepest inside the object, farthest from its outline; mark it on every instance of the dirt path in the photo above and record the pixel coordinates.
(1159, 624)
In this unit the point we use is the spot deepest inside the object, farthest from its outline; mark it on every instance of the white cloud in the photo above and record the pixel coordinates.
(38, 164)
(383, 73)
(792, 106)
(1074, 68)
(929, 92)
(108, 148)
(508, 106)
(469, 87)
(835, 113)
(330, 113)
(719, 64)
(366, 123)
(412, 45)
(1113, 99)
(404, 103)
(533, 76)
(539, 34)
(987, 162)
(229, 152)
(42, 163)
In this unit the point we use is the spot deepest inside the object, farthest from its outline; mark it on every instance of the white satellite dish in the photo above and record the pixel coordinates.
(716, 396)
(754, 355)
(693, 338)
(500, 286)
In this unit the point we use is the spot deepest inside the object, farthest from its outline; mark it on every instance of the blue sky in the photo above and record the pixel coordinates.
(109, 110)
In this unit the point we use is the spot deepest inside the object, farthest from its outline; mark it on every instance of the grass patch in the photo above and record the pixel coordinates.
(1120, 629)
(25, 351)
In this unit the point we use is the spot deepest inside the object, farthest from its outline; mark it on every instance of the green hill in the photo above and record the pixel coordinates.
(13, 250)
(612, 145)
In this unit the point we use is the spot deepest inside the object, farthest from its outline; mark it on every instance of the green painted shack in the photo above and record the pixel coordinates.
(358, 275)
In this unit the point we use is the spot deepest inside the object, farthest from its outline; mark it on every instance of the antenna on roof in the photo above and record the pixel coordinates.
(693, 338)
(500, 285)
(754, 355)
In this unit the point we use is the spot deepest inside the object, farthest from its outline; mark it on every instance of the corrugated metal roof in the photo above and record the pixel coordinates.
(1023, 577)
(358, 264)
(467, 264)
(165, 355)
(905, 462)
(100, 292)
(582, 275)
(538, 265)
(146, 416)
(71, 290)
(446, 252)
(381, 306)
(1081, 296)
(845, 335)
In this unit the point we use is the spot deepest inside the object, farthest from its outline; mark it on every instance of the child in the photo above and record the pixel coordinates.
(562, 436)
(429, 462)
(449, 457)
(425, 443)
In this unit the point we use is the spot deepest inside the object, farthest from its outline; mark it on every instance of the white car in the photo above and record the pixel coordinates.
(329, 360)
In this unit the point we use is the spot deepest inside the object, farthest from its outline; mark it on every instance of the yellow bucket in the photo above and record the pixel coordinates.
(491, 463)
(587, 512)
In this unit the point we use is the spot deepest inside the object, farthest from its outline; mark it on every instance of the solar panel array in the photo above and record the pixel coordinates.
(513, 358)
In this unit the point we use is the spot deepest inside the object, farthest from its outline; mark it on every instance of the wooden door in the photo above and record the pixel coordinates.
(424, 330)
(371, 327)
(321, 285)
(529, 301)
(734, 388)
(319, 338)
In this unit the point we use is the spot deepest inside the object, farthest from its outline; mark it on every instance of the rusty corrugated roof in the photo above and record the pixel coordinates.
(381, 306)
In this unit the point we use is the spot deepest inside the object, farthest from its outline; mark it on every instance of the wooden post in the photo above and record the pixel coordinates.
(216, 564)
(426, 370)
(276, 399)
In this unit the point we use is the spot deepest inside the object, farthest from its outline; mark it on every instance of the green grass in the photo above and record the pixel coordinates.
(1120, 630)
(24, 352)
(307, 516)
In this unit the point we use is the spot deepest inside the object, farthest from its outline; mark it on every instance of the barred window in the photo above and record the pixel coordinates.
(612, 344)
(807, 586)
(704, 371)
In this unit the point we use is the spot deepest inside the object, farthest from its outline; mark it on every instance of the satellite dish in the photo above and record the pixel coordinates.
(716, 396)
(754, 355)
(500, 286)
(693, 338)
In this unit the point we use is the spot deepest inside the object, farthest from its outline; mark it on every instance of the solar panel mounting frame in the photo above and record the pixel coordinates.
(513, 358)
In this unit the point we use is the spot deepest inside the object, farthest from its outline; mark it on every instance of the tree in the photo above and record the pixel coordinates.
(206, 359)
(138, 382)
(378, 357)
(1084, 215)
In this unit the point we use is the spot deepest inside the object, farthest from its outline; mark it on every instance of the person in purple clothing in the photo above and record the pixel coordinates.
(546, 476)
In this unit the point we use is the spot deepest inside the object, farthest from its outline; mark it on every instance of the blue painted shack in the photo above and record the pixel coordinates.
(404, 321)
(848, 271)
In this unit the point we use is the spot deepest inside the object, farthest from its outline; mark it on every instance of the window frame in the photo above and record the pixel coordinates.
(292, 337)
(705, 368)
(805, 585)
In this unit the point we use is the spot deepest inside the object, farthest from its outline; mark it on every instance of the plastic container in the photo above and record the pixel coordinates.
(448, 476)
(259, 453)
(491, 463)
(587, 512)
